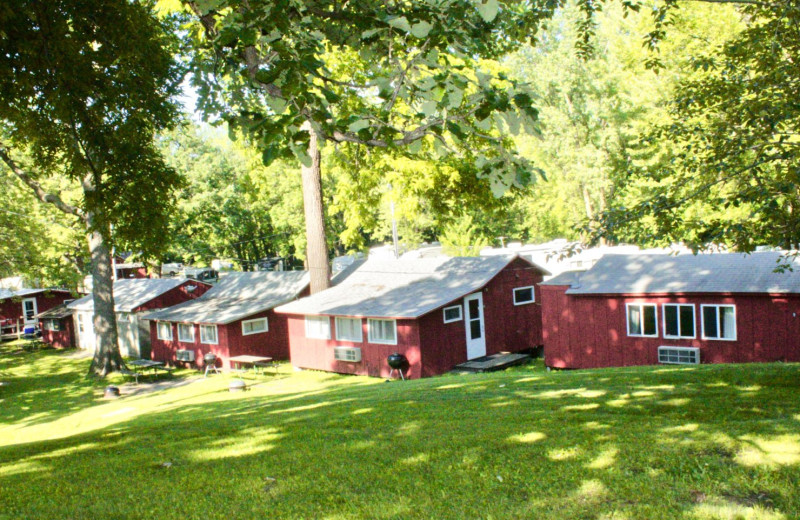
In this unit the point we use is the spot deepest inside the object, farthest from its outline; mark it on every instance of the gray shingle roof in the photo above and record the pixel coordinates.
(236, 296)
(565, 278)
(405, 288)
(21, 293)
(703, 273)
(56, 313)
(131, 293)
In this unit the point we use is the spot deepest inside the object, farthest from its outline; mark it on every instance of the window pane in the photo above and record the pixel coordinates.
(473, 309)
(475, 329)
(687, 320)
(710, 322)
(452, 313)
(649, 320)
(671, 320)
(727, 323)
(523, 295)
(634, 320)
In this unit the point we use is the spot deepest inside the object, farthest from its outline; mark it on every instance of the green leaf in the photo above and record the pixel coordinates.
(369, 33)
(488, 10)
(357, 126)
(429, 108)
(401, 23)
(415, 147)
(421, 29)
(277, 105)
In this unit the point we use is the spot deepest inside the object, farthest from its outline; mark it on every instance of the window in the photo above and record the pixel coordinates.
(348, 329)
(254, 326)
(719, 321)
(318, 327)
(208, 334)
(678, 320)
(382, 331)
(47, 325)
(164, 330)
(186, 332)
(523, 295)
(123, 317)
(642, 320)
(452, 314)
(81, 325)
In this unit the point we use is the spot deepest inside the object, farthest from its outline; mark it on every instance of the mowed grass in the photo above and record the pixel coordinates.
(634, 443)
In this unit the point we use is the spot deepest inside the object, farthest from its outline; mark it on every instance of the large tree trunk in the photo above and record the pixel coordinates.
(107, 357)
(317, 247)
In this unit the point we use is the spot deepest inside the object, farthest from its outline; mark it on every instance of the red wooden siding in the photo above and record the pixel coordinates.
(231, 342)
(317, 354)
(64, 338)
(432, 346)
(587, 331)
(11, 308)
(175, 296)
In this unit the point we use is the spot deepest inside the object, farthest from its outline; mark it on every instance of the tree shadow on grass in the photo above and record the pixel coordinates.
(578, 445)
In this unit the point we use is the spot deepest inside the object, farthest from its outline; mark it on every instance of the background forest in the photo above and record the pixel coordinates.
(601, 149)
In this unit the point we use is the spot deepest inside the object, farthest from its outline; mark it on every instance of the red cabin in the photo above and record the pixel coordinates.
(234, 318)
(19, 309)
(58, 328)
(437, 312)
(649, 309)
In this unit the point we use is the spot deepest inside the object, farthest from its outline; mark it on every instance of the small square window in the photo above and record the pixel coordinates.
(164, 330)
(382, 331)
(523, 295)
(348, 329)
(254, 326)
(452, 314)
(186, 332)
(318, 327)
(208, 334)
(642, 320)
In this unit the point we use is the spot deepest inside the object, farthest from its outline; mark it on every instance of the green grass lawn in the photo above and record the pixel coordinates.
(646, 442)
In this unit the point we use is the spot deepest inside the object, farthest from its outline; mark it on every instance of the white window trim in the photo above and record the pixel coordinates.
(184, 339)
(204, 341)
(360, 337)
(158, 330)
(381, 341)
(628, 317)
(460, 313)
(528, 302)
(664, 319)
(265, 329)
(735, 321)
(123, 317)
(309, 319)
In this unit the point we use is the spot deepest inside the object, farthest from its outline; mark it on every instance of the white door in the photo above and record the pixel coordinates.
(476, 341)
(85, 330)
(29, 311)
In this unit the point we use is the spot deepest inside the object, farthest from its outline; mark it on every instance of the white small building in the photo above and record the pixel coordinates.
(132, 297)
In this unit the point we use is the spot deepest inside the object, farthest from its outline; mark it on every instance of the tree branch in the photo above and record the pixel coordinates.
(40, 192)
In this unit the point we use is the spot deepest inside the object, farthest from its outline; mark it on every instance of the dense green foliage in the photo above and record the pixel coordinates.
(83, 88)
(709, 442)
(732, 174)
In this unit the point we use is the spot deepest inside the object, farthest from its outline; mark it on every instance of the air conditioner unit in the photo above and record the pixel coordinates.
(679, 355)
(185, 355)
(351, 354)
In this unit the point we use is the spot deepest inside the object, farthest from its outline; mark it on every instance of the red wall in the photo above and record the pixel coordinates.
(273, 343)
(317, 354)
(64, 338)
(432, 346)
(508, 327)
(175, 296)
(587, 331)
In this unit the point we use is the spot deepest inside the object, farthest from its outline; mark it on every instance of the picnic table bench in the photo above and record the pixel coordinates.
(256, 362)
(146, 367)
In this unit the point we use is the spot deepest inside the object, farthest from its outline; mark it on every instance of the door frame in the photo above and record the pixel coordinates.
(475, 347)
(32, 320)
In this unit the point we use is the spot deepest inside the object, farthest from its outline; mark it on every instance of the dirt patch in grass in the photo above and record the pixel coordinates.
(758, 498)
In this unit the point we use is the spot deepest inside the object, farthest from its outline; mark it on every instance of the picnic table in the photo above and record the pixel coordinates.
(256, 361)
(142, 366)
